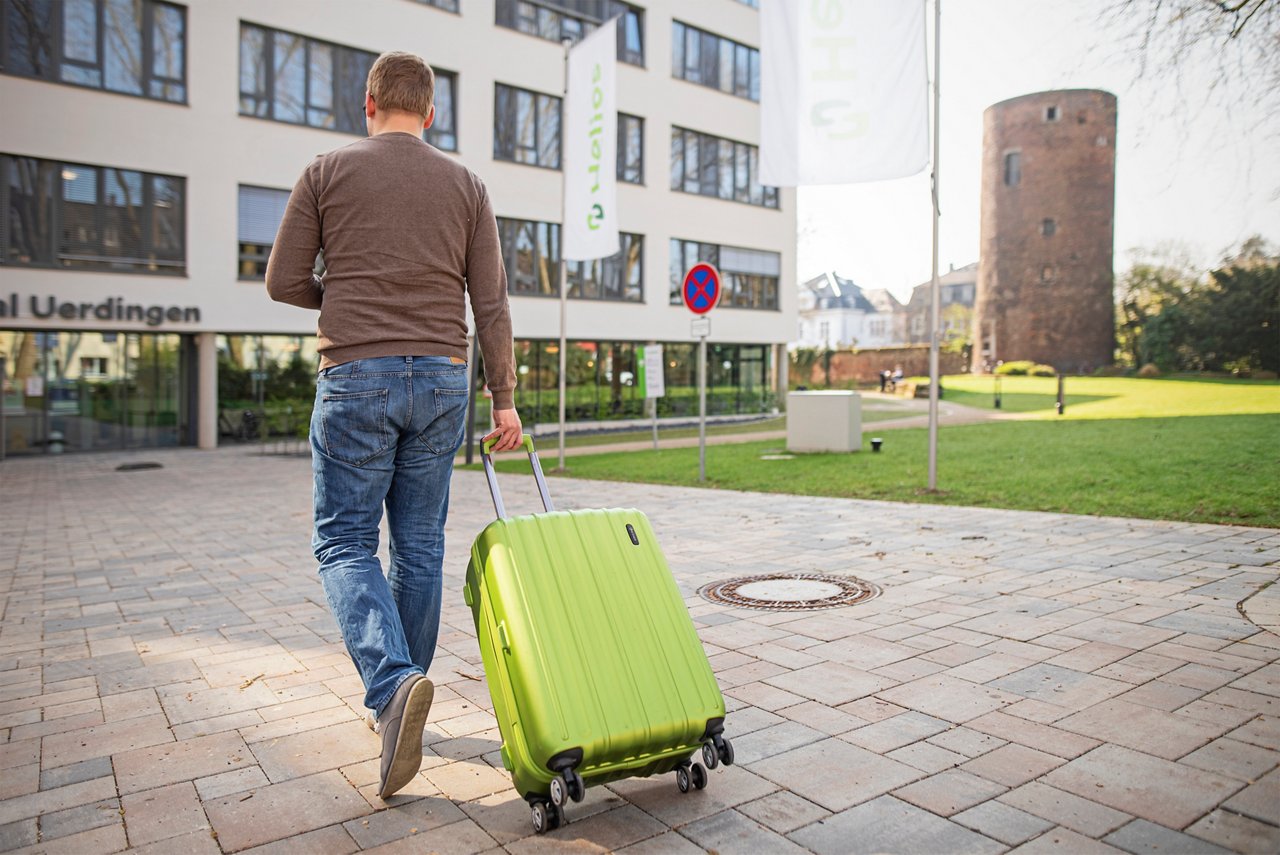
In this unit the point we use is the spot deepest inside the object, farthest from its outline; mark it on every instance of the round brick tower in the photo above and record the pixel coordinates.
(1045, 279)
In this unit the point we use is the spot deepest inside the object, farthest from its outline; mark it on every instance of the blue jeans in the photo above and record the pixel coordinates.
(385, 430)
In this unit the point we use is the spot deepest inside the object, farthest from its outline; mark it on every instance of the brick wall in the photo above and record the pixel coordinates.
(862, 367)
(1048, 297)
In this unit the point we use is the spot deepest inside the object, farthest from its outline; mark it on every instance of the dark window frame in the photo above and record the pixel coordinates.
(508, 238)
(434, 135)
(450, 6)
(626, 122)
(508, 150)
(58, 250)
(735, 283)
(699, 57)
(57, 58)
(340, 102)
(718, 158)
(557, 20)
(605, 269)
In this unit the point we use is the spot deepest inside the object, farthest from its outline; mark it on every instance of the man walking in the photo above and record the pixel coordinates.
(407, 235)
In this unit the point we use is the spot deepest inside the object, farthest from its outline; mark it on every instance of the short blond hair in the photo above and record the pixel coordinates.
(402, 81)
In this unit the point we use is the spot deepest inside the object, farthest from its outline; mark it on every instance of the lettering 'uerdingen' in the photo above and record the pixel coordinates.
(110, 309)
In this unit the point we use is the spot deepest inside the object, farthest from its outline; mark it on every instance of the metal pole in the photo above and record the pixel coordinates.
(1061, 400)
(564, 294)
(654, 401)
(935, 298)
(702, 408)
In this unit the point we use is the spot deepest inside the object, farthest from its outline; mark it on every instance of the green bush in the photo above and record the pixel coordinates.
(1016, 368)
(1022, 367)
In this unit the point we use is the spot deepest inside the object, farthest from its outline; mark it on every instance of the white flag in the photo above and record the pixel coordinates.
(843, 91)
(590, 137)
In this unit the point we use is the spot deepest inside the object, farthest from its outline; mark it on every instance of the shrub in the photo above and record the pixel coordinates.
(1017, 367)
(1149, 370)
(1110, 371)
(1043, 371)
(1264, 374)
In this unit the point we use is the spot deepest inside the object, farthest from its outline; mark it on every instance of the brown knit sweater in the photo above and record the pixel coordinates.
(408, 234)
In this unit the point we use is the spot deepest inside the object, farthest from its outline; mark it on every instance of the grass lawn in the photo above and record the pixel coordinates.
(1117, 397)
(1160, 449)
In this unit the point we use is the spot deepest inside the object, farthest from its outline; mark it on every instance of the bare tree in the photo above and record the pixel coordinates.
(1238, 39)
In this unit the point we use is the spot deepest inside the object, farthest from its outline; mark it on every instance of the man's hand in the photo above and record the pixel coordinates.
(507, 429)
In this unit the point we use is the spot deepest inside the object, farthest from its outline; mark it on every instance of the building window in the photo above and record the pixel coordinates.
(824, 332)
(748, 277)
(135, 47)
(724, 169)
(290, 78)
(260, 211)
(446, 5)
(574, 20)
(630, 33)
(526, 127)
(1013, 169)
(443, 133)
(620, 277)
(1048, 227)
(710, 60)
(82, 217)
(531, 255)
(630, 149)
(1051, 114)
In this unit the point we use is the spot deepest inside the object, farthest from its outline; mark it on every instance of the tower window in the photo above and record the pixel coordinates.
(1013, 168)
(1051, 113)
(1048, 227)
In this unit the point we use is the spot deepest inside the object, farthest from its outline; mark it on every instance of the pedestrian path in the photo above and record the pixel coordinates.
(171, 681)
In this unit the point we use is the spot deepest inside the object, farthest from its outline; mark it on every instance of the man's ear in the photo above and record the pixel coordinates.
(370, 108)
(431, 117)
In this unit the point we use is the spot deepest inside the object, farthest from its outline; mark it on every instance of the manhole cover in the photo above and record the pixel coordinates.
(789, 591)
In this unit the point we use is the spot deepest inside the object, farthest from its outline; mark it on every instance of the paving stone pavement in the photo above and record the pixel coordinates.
(171, 680)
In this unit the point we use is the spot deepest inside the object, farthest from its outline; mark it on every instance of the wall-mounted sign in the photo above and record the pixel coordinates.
(112, 309)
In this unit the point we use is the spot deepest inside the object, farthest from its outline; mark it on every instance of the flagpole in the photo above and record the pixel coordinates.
(564, 296)
(935, 297)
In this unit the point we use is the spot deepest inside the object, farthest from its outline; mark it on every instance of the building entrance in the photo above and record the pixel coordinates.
(69, 391)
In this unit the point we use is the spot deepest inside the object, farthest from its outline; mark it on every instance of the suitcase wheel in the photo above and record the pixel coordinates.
(699, 776)
(577, 786)
(567, 786)
(682, 779)
(546, 817)
(691, 774)
(725, 749)
(710, 756)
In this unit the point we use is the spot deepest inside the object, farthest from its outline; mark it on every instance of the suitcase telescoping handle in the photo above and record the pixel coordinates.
(486, 450)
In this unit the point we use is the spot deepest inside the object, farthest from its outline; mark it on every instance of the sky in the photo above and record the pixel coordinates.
(1193, 168)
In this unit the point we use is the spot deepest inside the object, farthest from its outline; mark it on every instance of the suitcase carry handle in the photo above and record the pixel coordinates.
(486, 451)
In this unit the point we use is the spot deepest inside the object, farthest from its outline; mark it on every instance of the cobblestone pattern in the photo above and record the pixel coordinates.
(170, 678)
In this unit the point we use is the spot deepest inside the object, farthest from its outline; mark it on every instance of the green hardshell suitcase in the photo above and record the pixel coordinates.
(593, 664)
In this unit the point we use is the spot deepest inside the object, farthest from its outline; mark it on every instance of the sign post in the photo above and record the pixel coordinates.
(701, 292)
(652, 381)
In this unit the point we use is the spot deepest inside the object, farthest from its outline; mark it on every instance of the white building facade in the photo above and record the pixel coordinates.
(150, 147)
(834, 313)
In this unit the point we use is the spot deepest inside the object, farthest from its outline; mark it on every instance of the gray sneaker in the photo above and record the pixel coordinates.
(401, 725)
